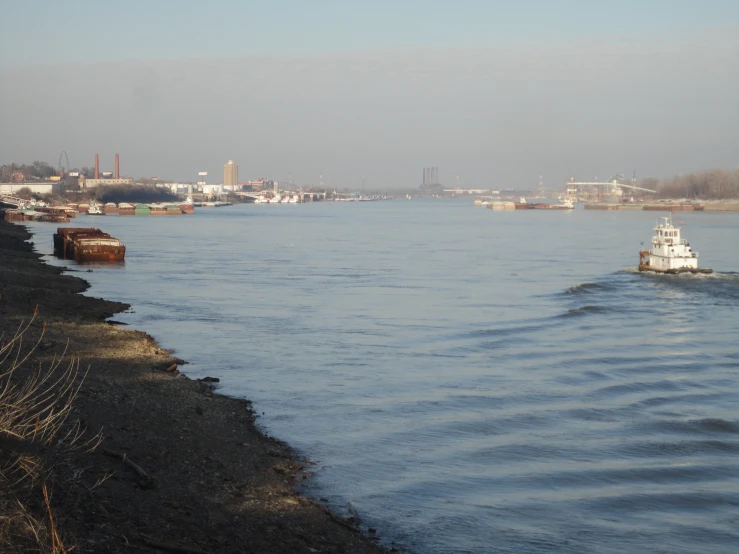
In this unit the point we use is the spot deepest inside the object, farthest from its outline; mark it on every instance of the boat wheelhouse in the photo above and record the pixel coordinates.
(669, 252)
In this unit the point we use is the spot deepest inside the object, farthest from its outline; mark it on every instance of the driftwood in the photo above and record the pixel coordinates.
(145, 480)
(171, 547)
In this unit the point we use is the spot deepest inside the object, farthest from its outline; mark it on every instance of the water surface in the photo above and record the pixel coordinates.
(466, 380)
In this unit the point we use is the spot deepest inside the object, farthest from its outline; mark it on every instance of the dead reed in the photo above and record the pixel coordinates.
(35, 433)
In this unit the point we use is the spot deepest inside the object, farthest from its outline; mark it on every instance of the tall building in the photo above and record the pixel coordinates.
(430, 176)
(231, 175)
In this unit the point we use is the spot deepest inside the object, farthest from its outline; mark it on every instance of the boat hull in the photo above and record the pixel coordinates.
(552, 207)
(647, 267)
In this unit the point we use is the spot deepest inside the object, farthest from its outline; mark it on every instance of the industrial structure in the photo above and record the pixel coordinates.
(108, 178)
(600, 191)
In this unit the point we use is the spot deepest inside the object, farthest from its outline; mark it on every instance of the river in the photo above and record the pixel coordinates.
(464, 380)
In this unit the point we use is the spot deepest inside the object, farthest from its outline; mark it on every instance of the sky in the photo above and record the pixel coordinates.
(491, 93)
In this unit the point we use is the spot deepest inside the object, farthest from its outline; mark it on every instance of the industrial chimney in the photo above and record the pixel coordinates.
(116, 174)
(97, 167)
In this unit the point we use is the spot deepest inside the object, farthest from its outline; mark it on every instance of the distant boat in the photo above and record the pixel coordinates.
(563, 205)
(95, 209)
(188, 206)
(669, 253)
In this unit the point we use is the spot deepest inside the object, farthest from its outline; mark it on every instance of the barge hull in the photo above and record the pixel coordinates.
(88, 245)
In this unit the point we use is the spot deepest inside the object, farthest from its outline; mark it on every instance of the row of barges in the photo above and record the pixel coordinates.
(125, 208)
(503, 205)
(659, 207)
(62, 214)
(51, 215)
(85, 244)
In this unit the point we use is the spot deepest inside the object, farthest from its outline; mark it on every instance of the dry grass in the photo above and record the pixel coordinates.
(35, 404)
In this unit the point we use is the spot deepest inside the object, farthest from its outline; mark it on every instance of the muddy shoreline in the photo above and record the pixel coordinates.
(208, 480)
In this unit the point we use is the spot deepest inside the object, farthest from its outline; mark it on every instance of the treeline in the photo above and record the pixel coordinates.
(37, 171)
(713, 184)
(143, 194)
(21, 172)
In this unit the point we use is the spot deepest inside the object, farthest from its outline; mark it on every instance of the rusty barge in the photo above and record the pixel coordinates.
(85, 244)
(35, 215)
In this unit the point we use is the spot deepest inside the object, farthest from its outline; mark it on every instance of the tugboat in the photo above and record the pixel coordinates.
(188, 206)
(669, 253)
(95, 209)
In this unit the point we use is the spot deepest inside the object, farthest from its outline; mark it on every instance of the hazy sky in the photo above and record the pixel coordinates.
(495, 92)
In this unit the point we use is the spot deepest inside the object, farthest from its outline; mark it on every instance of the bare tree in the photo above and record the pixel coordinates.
(713, 184)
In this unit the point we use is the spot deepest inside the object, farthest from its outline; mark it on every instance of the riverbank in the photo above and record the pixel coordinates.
(669, 206)
(179, 468)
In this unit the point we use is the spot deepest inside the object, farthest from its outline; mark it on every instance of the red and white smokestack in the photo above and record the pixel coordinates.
(116, 174)
(97, 167)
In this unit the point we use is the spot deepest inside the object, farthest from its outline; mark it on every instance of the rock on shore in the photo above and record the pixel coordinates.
(179, 468)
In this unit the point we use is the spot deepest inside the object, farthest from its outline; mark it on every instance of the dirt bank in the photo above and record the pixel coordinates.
(179, 469)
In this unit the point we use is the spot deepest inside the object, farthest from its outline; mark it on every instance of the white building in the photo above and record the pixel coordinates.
(212, 189)
(175, 187)
(36, 188)
(94, 183)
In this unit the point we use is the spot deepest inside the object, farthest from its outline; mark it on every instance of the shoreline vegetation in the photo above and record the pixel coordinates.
(108, 448)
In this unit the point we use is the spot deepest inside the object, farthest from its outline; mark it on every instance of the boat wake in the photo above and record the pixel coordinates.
(586, 310)
(589, 288)
(720, 275)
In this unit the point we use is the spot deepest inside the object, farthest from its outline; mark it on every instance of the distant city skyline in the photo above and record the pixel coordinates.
(493, 93)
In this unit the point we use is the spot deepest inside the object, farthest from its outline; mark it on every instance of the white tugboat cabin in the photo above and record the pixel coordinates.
(669, 252)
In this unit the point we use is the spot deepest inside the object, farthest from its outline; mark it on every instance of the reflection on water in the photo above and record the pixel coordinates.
(467, 380)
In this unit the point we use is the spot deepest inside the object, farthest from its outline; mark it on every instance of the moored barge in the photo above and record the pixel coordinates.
(84, 244)
(154, 209)
(34, 215)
